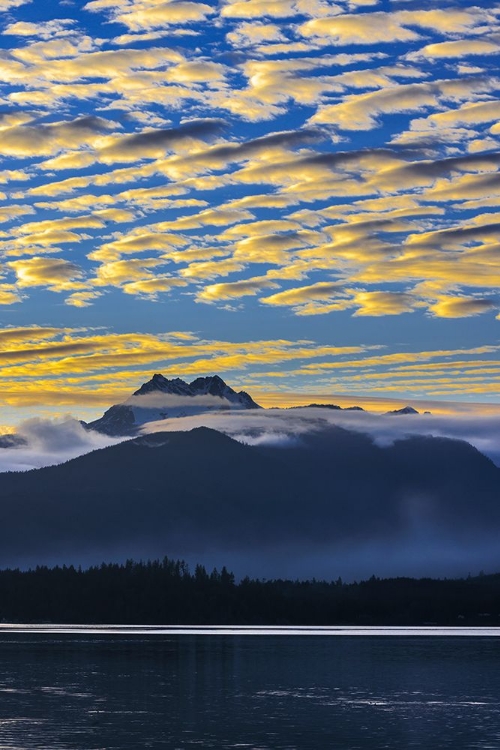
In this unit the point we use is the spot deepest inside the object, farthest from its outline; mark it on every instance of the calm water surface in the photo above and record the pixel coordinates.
(121, 690)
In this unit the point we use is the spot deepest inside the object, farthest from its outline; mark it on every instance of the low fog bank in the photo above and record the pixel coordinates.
(285, 426)
(50, 442)
(166, 401)
(411, 556)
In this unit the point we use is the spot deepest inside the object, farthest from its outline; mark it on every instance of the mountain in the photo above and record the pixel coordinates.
(333, 407)
(404, 410)
(11, 440)
(332, 503)
(161, 398)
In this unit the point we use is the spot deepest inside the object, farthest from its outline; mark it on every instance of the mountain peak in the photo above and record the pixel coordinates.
(404, 410)
(127, 418)
(160, 383)
(212, 385)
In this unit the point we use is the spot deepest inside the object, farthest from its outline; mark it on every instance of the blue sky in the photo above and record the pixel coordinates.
(300, 195)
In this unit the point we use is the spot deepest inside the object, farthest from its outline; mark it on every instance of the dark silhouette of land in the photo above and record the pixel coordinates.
(166, 592)
(331, 503)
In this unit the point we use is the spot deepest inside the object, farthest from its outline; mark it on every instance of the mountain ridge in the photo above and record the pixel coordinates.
(327, 500)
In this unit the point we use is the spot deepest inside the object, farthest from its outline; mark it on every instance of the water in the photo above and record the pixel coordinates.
(121, 688)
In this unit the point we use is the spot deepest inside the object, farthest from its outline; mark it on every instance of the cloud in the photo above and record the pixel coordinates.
(383, 303)
(469, 113)
(154, 143)
(56, 274)
(8, 4)
(55, 441)
(110, 183)
(151, 287)
(62, 69)
(71, 366)
(9, 294)
(53, 367)
(362, 111)
(301, 295)
(368, 28)
(459, 48)
(462, 307)
(138, 240)
(46, 139)
(144, 14)
(385, 27)
(235, 289)
(173, 400)
(222, 155)
(325, 297)
(252, 9)
(122, 272)
(49, 139)
(82, 299)
(211, 269)
(272, 248)
(7, 213)
(248, 34)
(275, 425)
(51, 442)
(42, 29)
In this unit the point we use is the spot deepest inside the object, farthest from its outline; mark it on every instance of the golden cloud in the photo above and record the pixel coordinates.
(361, 111)
(460, 48)
(42, 29)
(57, 274)
(8, 4)
(70, 366)
(150, 287)
(82, 299)
(255, 33)
(148, 14)
(235, 289)
(8, 294)
(211, 269)
(383, 303)
(379, 27)
(462, 307)
(301, 295)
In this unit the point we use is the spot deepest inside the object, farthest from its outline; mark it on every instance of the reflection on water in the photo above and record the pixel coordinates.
(105, 692)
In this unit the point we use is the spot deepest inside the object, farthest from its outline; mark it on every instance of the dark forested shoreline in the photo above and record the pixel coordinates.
(167, 592)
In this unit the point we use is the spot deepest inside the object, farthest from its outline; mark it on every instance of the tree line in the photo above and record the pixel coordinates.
(168, 592)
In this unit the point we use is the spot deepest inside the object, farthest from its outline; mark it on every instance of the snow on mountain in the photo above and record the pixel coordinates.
(404, 410)
(161, 398)
(160, 384)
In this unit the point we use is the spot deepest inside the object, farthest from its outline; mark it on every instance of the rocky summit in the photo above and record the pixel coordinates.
(160, 398)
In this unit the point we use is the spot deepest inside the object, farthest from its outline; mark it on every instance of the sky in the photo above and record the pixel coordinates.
(299, 195)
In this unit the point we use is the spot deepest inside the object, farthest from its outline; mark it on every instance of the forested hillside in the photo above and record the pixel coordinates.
(166, 592)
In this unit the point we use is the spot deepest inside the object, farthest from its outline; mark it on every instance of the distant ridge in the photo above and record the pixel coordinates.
(333, 407)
